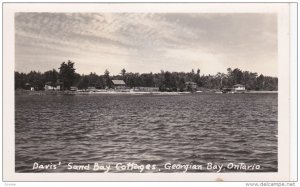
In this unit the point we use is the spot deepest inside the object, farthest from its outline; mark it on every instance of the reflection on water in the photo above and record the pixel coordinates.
(145, 129)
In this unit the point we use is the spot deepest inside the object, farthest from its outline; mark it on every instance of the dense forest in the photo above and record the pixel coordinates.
(165, 80)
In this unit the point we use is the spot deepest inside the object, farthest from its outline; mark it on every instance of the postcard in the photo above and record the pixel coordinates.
(146, 92)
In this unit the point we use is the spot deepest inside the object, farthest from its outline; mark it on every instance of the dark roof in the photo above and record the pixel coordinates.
(118, 82)
(190, 82)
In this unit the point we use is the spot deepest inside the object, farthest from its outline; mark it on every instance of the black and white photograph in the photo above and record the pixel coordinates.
(146, 92)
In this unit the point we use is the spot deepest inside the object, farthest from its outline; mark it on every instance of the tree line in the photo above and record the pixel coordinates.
(165, 80)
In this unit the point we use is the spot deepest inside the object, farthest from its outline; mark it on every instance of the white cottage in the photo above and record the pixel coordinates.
(51, 86)
(239, 88)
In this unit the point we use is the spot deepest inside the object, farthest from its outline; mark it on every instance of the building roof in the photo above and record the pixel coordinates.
(238, 85)
(190, 82)
(49, 83)
(118, 82)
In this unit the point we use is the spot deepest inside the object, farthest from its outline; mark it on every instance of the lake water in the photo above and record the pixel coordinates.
(195, 129)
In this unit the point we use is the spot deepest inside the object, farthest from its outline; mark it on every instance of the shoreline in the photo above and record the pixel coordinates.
(27, 92)
(252, 91)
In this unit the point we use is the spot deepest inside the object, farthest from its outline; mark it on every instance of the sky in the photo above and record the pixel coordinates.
(146, 42)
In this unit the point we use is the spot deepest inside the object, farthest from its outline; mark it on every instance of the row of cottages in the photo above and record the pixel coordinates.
(121, 85)
(190, 86)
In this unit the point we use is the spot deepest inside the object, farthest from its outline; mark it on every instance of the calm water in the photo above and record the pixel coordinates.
(109, 129)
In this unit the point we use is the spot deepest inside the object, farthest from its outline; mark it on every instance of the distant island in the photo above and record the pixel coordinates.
(67, 79)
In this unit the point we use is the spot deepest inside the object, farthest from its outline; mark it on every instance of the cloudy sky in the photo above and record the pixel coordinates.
(146, 42)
